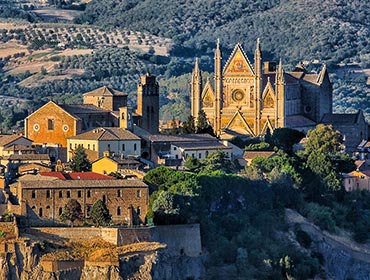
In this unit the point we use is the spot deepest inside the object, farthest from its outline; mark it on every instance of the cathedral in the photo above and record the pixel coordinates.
(247, 99)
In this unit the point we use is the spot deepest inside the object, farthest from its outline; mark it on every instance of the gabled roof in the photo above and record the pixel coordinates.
(106, 134)
(52, 103)
(76, 175)
(44, 157)
(76, 109)
(214, 145)
(16, 147)
(7, 139)
(341, 119)
(105, 91)
(238, 49)
(299, 121)
(181, 138)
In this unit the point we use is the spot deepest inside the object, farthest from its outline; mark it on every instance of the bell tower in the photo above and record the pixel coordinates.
(196, 90)
(148, 103)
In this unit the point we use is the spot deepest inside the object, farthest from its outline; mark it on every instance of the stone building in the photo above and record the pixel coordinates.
(50, 126)
(248, 99)
(46, 194)
(115, 140)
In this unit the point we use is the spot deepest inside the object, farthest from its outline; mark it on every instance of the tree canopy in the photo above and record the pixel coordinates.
(99, 213)
(72, 211)
(79, 162)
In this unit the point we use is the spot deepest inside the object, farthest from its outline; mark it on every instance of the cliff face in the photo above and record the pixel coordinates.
(343, 258)
(23, 264)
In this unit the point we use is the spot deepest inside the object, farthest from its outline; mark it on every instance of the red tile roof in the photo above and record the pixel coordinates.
(76, 175)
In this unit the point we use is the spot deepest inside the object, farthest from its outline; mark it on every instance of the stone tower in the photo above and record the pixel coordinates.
(148, 103)
(196, 90)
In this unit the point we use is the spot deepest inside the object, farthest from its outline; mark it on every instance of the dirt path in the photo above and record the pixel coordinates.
(357, 251)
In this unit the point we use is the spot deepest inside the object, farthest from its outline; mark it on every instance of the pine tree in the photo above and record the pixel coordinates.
(203, 125)
(80, 163)
(188, 127)
(99, 213)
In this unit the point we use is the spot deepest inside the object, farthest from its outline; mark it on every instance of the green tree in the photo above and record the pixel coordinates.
(79, 162)
(285, 138)
(71, 212)
(203, 125)
(188, 127)
(99, 213)
(323, 153)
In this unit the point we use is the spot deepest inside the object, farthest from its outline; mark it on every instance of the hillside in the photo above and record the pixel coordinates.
(336, 30)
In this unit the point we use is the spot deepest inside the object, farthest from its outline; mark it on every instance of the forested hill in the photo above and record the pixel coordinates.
(328, 30)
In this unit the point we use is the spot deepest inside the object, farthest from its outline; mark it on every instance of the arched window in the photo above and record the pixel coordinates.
(40, 212)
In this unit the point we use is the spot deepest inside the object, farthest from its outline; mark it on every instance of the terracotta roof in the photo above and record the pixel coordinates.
(104, 90)
(6, 139)
(76, 175)
(340, 119)
(214, 145)
(77, 109)
(181, 138)
(55, 183)
(106, 133)
(29, 157)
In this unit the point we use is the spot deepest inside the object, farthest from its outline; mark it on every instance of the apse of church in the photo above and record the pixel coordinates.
(248, 99)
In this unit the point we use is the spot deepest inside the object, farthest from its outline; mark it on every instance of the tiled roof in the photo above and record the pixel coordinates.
(55, 183)
(105, 91)
(181, 138)
(340, 119)
(76, 175)
(19, 148)
(6, 139)
(299, 121)
(106, 133)
(76, 109)
(29, 157)
(215, 145)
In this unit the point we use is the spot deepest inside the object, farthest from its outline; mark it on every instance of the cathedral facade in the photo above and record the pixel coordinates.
(248, 99)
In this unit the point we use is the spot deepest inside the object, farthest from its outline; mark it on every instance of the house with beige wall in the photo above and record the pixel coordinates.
(356, 180)
(116, 140)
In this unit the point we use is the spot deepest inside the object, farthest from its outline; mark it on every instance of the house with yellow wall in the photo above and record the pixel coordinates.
(115, 140)
(356, 180)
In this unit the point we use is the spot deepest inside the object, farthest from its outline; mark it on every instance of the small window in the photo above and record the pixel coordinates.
(93, 147)
(174, 148)
(193, 155)
(68, 194)
(50, 124)
(135, 147)
(88, 146)
(60, 194)
(60, 211)
(119, 211)
(48, 194)
(40, 212)
(123, 147)
(75, 145)
(119, 194)
(108, 147)
(70, 146)
(138, 193)
(33, 194)
(207, 153)
(79, 194)
(104, 198)
(88, 209)
(200, 155)
(138, 210)
(88, 193)
(48, 207)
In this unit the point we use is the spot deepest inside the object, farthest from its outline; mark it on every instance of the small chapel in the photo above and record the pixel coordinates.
(247, 99)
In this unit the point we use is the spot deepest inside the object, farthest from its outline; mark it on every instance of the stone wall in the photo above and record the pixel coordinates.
(52, 266)
(180, 239)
